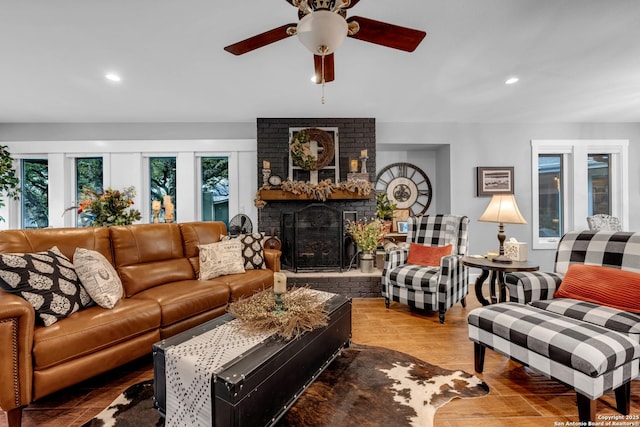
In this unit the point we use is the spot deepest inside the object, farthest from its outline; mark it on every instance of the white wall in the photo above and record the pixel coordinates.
(461, 148)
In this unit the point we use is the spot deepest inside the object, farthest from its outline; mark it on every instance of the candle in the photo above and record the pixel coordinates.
(166, 200)
(155, 205)
(279, 283)
(168, 212)
(363, 153)
(266, 164)
(354, 165)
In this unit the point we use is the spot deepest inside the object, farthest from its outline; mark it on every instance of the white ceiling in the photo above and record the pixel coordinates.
(578, 61)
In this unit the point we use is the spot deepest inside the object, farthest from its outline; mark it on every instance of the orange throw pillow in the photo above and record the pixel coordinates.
(602, 285)
(427, 255)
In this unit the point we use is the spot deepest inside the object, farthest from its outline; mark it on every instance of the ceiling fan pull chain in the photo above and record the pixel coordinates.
(323, 49)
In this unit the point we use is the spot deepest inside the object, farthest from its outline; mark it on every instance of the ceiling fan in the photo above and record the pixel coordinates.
(322, 28)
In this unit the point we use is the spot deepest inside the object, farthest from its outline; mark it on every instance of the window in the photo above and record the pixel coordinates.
(550, 195)
(34, 200)
(88, 175)
(162, 175)
(598, 184)
(215, 189)
(573, 180)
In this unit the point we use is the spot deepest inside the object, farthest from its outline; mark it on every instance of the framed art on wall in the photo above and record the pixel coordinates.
(494, 180)
(399, 215)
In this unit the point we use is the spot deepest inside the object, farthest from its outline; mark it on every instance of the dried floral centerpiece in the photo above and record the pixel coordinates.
(112, 207)
(301, 311)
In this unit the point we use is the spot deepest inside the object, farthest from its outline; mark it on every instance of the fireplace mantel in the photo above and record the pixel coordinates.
(272, 195)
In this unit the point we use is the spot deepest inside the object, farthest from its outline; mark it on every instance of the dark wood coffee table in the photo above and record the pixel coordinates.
(257, 387)
(497, 288)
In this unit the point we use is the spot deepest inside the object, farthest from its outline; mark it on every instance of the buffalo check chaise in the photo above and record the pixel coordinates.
(430, 288)
(587, 346)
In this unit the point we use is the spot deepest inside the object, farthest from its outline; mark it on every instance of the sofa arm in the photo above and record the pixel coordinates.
(532, 286)
(17, 323)
(272, 259)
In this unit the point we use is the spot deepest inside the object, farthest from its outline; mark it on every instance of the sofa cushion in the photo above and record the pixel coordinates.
(93, 329)
(98, 277)
(428, 256)
(65, 239)
(416, 277)
(610, 318)
(221, 258)
(148, 255)
(247, 283)
(186, 298)
(602, 285)
(47, 280)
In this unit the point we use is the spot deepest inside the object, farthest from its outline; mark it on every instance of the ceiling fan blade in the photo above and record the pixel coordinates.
(388, 35)
(263, 39)
(329, 75)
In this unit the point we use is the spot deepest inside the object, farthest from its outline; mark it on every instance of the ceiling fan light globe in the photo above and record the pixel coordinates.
(322, 31)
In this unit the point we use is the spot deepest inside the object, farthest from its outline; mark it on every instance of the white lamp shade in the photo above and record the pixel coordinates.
(322, 28)
(503, 208)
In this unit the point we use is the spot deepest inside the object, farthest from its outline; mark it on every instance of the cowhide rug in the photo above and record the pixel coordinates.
(364, 386)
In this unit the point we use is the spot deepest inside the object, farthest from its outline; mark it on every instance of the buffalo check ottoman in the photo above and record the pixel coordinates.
(589, 358)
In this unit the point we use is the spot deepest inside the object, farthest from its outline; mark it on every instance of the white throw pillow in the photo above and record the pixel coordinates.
(221, 258)
(98, 277)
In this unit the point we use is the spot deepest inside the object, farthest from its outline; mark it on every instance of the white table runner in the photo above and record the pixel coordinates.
(191, 365)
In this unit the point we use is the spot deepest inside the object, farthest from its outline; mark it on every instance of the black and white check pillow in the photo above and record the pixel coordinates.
(252, 250)
(47, 280)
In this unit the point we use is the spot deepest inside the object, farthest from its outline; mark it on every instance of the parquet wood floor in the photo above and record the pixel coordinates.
(518, 396)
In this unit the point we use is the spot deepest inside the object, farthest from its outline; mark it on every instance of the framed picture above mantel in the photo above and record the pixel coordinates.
(314, 154)
(494, 180)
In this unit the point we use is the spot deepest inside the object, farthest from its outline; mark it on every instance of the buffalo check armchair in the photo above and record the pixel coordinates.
(430, 288)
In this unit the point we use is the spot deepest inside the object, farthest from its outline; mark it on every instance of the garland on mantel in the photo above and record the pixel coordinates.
(320, 191)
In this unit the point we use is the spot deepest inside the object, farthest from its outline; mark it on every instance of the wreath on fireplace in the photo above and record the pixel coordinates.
(300, 148)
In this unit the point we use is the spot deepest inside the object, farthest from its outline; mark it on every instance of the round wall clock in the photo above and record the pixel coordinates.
(407, 186)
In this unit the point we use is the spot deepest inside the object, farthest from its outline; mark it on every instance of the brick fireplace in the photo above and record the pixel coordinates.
(303, 248)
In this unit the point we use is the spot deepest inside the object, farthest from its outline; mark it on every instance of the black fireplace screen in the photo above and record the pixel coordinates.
(313, 238)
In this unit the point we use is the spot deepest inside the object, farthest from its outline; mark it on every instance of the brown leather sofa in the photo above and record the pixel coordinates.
(158, 265)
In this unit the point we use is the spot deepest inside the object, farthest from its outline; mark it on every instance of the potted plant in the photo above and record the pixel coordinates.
(384, 210)
(367, 235)
(112, 207)
(8, 180)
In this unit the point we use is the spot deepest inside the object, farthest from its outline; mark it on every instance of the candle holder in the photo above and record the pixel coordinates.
(363, 168)
(279, 308)
(266, 173)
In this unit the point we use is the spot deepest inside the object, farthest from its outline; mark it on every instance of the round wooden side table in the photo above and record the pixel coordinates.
(497, 288)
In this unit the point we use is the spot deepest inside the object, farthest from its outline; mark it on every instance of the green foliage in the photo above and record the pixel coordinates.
(384, 207)
(163, 178)
(35, 193)
(301, 151)
(9, 182)
(215, 170)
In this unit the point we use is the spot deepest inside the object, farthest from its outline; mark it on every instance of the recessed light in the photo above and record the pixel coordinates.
(511, 80)
(113, 77)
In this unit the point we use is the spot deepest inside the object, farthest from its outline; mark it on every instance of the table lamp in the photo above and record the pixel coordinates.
(502, 208)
